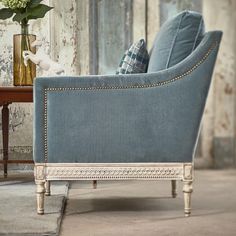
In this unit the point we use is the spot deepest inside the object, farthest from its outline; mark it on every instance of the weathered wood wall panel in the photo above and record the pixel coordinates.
(93, 37)
(62, 28)
(169, 8)
(69, 34)
(153, 20)
(219, 122)
(139, 20)
(83, 37)
(114, 33)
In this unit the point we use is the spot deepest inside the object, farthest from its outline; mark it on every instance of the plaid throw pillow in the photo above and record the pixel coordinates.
(135, 59)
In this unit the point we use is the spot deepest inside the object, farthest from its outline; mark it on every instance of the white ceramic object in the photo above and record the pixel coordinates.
(42, 59)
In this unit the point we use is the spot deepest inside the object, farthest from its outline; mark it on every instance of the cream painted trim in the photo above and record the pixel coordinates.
(114, 171)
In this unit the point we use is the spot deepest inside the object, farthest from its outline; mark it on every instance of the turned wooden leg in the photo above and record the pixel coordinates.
(173, 188)
(187, 189)
(94, 184)
(47, 188)
(40, 197)
(5, 136)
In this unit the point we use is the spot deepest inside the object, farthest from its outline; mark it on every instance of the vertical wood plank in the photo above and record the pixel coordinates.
(207, 129)
(114, 22)
(139, 20)
(83, 37)
(128, 17)
(64, 27)
(170, 8)
(93, 37)
(70, 35)
(153, 20)
(219, 120)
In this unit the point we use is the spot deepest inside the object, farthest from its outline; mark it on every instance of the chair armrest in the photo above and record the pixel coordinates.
(208, 46)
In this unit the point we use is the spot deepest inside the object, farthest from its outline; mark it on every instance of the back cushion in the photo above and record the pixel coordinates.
(177, 38)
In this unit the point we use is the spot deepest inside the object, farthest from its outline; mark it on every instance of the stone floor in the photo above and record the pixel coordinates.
(18, 215)
(145, 208)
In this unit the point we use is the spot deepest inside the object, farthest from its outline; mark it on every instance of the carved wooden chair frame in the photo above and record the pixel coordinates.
(44, 173)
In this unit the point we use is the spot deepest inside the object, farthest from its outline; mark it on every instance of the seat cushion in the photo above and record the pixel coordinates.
(177, 38)
(135, 59)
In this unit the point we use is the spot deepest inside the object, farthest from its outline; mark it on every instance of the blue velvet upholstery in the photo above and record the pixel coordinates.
(177, 38)
(153, 117)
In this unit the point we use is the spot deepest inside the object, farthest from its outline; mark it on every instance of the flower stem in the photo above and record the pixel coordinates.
(25, 46)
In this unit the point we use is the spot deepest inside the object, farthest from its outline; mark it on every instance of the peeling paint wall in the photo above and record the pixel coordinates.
(64, 35)
(90, 36)
(119, 14)
(219, 126)
(66, 30)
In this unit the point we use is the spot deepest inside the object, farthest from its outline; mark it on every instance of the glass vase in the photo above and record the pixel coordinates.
(23, 75)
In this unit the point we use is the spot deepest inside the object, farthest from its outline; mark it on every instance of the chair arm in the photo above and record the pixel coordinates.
(124, 118)
(209, 45)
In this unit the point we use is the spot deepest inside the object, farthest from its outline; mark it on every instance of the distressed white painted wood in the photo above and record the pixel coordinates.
(225, 71)
(153, 20)
(139, 20)
(115, 171)
(219, 119)
(83, 37)
(113, 33)
(64, 28)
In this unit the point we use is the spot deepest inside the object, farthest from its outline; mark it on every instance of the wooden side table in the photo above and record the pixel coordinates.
(10, 95)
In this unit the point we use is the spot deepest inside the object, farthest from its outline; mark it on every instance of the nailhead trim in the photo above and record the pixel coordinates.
(116, 87)
(45, 127)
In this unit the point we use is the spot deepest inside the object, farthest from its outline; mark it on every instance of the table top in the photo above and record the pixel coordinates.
(16, 88)
(10, 94)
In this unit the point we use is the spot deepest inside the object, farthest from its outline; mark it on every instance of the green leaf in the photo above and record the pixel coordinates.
(34, 3)
(38, 11)
(20, 16)
(5, 13)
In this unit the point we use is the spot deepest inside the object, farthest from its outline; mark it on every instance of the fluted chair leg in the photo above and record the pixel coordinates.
(40, 196)
(173, 188)
(47, 188)
(187, 189)
(94, 184)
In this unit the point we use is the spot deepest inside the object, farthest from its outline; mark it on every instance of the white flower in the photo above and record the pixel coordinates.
(14, 4)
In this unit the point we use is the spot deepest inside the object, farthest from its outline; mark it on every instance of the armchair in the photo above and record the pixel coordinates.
(123, 127)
